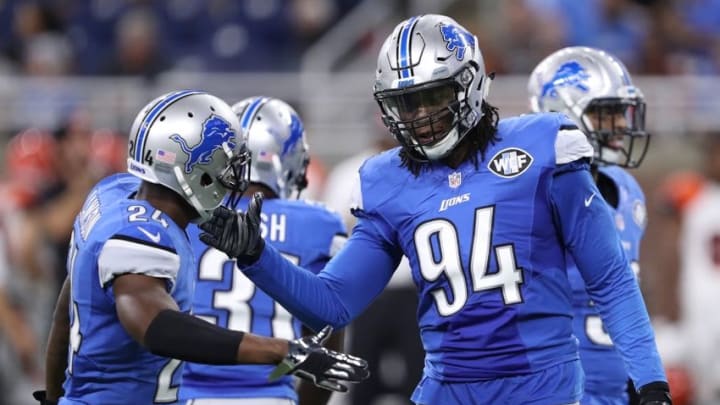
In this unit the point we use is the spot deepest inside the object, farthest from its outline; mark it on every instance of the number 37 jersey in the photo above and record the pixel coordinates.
(307, 234)
(485, 252)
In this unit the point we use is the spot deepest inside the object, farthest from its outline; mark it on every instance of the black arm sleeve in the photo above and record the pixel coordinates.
(184, 337)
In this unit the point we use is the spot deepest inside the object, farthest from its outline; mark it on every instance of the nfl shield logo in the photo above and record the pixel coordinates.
(455, 179)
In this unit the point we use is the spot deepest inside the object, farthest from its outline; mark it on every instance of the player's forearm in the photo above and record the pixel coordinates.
(300, 291)
(341, 291)
(628, 324)
(256, 349)
(184, 337)
(590, 235)
(57, 346)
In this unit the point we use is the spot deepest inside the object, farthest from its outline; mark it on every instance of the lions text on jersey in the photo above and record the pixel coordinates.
(308, 235)
(115, 234)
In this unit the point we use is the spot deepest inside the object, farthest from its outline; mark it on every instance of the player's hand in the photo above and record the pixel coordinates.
(40, 396)
(237, 234)
(308, 359)
(655, 393)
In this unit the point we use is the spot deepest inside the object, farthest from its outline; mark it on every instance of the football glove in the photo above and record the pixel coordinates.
(309, 360)
(655, 393)
(237, 234)
(40, 396)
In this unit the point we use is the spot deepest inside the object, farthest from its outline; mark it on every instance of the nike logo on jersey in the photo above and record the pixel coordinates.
(155, 237)
(589, 199)
(447, 203)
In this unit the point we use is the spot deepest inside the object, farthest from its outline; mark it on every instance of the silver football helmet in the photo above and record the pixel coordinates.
(276, 139)
(190, 142)
(595, 90)
(430, 84)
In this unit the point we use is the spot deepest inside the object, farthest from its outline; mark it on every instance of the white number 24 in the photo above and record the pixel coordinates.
(442, 234)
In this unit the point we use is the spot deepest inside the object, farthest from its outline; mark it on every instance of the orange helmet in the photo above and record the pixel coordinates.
(678, 190)
(30, 159)
(681, 385)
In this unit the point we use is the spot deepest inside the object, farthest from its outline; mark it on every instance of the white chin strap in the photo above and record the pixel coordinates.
(610, 155)
(442, 148)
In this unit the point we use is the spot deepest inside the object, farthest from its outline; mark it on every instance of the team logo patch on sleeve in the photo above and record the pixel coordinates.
(510, 162)
(639, 213)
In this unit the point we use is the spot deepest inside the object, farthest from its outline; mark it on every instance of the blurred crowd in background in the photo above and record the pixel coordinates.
(142, 37)
(49, 166)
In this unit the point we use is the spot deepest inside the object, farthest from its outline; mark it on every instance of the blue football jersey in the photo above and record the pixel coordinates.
(494, 297)
(115, 234)
(486, 244)
(306, 233)
(605, 372)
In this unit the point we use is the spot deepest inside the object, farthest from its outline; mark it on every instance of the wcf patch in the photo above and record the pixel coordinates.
(510, 162)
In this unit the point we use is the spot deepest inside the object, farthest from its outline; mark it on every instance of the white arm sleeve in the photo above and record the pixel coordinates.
(571, 145)
(122, 257)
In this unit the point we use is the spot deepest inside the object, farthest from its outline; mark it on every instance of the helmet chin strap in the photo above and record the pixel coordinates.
(442, 148)
(453, 137)
(609, 155)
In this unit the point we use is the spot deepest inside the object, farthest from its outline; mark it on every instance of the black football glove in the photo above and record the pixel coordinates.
(40, 396)
(309, 360)
(655, 393)
(236, 234)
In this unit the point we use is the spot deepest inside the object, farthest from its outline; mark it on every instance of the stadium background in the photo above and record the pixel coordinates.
(78, 70)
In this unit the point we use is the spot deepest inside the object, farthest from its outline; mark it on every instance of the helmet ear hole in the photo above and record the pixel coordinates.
(205, 180)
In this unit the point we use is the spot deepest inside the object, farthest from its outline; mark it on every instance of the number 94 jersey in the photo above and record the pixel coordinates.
(494, 296)
(605, 372)
(306, 233)
(115, 234)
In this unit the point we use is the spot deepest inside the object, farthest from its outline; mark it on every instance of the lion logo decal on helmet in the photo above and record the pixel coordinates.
(457, 39)
(569, 74)
(215, 132)
(296, 132)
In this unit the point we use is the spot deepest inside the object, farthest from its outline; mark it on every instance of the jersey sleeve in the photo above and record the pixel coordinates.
(588, 231)
(364, 201)
(347, 285)
(144, 249)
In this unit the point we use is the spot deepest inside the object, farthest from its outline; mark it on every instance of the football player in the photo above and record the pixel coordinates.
(122, 316)
(277, 142)
(594, 89)
(486, 213)
(699, 279)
